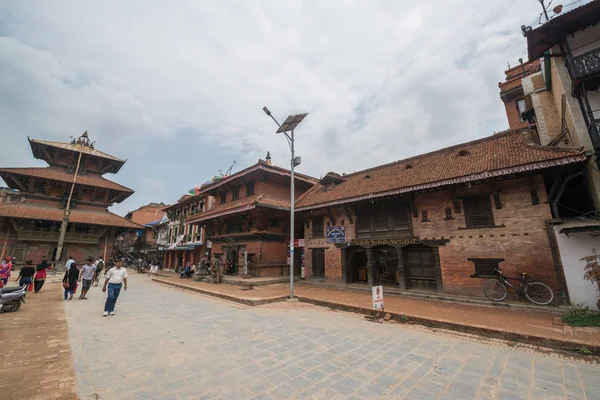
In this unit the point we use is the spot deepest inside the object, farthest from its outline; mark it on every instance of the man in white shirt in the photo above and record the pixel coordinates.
(116, 278)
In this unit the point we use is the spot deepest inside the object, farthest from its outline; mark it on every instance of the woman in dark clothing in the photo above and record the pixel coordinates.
(40, 274)
(26, 274)
(70, 281)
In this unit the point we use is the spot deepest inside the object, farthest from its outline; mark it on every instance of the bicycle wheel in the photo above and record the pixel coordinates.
(494, 289)
(539, 293)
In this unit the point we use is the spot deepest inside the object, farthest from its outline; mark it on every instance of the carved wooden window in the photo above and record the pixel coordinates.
(485, 267)
(223, 197)
(317, 227)
(478, 211)
(249, 188)
(235, 193)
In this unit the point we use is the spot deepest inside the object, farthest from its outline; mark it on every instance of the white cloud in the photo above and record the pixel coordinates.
(382, 80)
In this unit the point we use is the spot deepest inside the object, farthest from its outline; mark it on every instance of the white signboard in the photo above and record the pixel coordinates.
(377, 297)
(245, 263)
(154, 269)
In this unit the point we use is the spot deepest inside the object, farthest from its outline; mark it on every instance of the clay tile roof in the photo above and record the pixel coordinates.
(500, 154)
(59, 174)
(77, 148)
(35, 211)
(247, 203)
(260, 165)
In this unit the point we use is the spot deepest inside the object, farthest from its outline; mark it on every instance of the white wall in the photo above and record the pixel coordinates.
(584, 41)
(572, 248)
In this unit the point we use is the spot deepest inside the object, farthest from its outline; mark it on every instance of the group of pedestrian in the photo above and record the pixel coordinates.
(115, 280)
(90, 273)
(28, 275)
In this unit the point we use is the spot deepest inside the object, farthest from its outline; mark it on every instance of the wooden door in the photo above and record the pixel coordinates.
(420, 268)
(318, 263)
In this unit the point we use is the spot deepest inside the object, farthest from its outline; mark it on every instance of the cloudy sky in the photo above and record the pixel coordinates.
(177, 88)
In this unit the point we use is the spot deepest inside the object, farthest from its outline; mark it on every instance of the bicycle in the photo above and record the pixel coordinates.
(537, 292)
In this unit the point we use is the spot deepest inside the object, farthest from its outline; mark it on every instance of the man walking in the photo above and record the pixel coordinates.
(87, 276)
(115, 279)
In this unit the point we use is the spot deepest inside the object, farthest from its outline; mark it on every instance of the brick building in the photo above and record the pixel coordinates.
(184, 241)
(438, 221)
(556, 92)
(563, 109)
(249, 223)
(142, 243)
(33, 211)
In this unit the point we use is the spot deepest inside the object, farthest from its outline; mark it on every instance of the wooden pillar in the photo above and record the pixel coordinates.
(401, 268)
(345, 273)
(370, 265)
(438, 269)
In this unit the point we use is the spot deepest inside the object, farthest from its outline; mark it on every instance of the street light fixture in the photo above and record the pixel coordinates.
(290, 123)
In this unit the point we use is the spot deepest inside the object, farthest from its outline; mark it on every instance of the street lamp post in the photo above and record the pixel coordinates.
(290, 123)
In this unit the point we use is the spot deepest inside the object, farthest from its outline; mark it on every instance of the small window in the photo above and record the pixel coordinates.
(223, 197)
(448, 212)
(485, 267)
(235, 194)
(478, 211)
(249, 188)
(317, 227)
(424, 216)
(521, 108)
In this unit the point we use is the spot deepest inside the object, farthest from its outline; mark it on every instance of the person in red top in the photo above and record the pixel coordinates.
(5, 269)
(40, 274)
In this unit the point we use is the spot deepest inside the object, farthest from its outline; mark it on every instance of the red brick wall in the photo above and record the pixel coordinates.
(522, 242)
(333, 260)
(512, 114)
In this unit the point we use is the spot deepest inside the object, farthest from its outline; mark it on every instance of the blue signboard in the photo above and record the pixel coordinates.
(335, 234)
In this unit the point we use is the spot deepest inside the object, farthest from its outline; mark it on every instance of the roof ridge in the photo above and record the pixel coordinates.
(445, 149)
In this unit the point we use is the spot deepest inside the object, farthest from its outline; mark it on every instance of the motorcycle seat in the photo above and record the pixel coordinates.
(10, 289)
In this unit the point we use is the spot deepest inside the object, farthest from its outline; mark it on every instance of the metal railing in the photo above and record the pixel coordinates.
(585, 64)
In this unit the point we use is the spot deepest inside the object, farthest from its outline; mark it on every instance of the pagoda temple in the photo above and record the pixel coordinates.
(31, 213)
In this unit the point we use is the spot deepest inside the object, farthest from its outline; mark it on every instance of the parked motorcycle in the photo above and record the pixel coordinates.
(12, 297)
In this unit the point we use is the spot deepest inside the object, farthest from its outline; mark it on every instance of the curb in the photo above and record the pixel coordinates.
(449, 299)
(477, 330)
(248, 302)
(569, 345)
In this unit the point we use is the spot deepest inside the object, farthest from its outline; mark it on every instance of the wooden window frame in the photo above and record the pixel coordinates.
(249, 189)
(235, 193)
(480, 201)
(479, 265)
(223, 198)
(318, 233)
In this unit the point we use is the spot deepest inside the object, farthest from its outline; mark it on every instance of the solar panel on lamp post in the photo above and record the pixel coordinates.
(290, 123)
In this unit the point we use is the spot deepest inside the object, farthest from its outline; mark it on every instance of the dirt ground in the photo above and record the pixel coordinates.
(36, 355)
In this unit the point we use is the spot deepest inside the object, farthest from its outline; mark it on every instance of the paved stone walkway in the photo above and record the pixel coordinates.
(503, 322)
(164, 343)
(36, 356)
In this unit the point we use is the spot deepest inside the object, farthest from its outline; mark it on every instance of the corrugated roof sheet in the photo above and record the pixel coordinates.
(500, 154)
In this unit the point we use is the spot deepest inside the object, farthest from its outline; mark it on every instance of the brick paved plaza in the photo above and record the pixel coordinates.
(164, 343)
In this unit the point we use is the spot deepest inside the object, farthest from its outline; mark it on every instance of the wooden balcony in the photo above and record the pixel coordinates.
(585, 64)
(52, 236)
